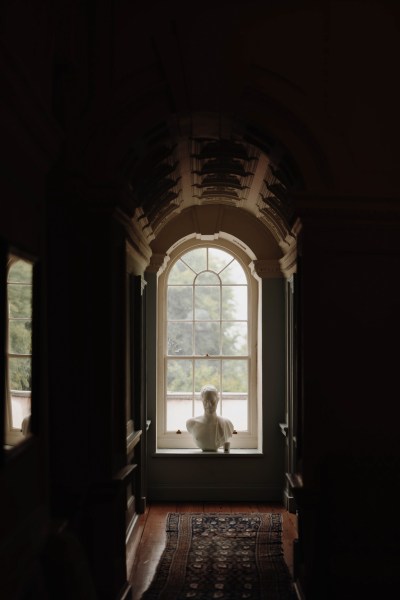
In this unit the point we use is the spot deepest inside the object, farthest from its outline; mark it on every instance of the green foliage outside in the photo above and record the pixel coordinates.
(229, 376)
(219, 328)
(19, 291)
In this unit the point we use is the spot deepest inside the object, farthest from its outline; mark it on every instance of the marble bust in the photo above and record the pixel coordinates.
(209, 431)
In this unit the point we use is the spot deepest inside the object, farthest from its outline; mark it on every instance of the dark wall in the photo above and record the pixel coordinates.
(257, 476)
(30, 140)
(349, 456)
(81, 85)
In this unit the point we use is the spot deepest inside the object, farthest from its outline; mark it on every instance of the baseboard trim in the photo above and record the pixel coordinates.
(131, 527)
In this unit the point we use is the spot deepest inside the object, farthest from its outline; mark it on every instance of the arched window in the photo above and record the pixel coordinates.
(208, 298)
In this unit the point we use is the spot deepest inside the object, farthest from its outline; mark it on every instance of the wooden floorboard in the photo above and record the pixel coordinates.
(145, 554)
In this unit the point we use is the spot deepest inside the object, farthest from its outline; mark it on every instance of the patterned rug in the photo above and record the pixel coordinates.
(222, 555)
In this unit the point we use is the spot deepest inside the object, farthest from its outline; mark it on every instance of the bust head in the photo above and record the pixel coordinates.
(209, 396)
(209, 431)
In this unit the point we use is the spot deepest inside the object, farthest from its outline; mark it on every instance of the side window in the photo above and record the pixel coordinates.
(19, 349)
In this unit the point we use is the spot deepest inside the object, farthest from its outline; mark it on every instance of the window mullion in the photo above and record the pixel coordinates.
(193, 343)
(220, 347)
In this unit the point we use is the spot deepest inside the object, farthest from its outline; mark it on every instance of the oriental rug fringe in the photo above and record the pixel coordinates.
(222, 555)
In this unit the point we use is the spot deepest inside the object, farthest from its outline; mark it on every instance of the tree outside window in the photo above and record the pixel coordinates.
(207, 339)
(19, 346)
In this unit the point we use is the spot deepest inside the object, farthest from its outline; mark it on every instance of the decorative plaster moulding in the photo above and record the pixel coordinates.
(173, 209)
(208, 159)
(159, 261)
(142, 226)
(181, 241)
(288, 262)
(231, 238)
(136, 257)
(267, 269)
(157, 264)
(137, 245)
(229, 171)
(207, 238)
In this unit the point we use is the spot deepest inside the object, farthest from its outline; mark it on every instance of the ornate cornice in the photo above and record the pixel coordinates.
(137, 244)
(222, 170)
(155, 182)
(267, 269)
(183, 166)
(157, 264)
(274, 224)
(288, 262)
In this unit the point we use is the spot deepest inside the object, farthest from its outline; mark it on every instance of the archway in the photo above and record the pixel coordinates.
(217, 189)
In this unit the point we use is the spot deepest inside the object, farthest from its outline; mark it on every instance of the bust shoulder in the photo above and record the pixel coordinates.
(226, 425)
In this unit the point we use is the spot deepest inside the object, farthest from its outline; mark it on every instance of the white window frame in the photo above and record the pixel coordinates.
(13, 435)
(241, 440)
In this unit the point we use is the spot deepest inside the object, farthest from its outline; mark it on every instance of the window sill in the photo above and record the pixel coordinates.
(11, 451)
(191, 452)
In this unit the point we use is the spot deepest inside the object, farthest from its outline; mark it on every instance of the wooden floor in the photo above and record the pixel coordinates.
(144, 554)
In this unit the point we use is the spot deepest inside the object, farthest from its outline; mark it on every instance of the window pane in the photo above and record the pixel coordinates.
(180, 303)
(236, 409)
(19, 373)
(179, 376)
(206, 372)
(234, 338)
(218, 259)
(196, 259)
(20, 408)
(234, 376)
(207, 338)
(234, 302)
(180, 274)
(179, 410)
(20, 337)
(233, 274)
(198, 406)
(207, 303)
(180, 338)
(19, 300)
(20, 272)
(207, 277)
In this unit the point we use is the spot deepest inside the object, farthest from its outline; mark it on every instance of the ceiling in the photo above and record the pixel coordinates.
(179, 169)
(236, 104)
(179, 108)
